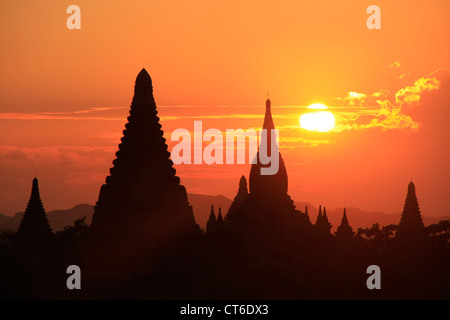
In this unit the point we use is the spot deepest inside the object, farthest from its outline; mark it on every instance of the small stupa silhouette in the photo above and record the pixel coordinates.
(34, 225)
(411, 224)
(344, 231)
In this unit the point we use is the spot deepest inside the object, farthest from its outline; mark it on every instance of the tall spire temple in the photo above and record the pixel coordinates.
(275, 184)
(142, 197)
(34, 225)
(344, 231)
(268, 121)
(411, 224)
(268, 204)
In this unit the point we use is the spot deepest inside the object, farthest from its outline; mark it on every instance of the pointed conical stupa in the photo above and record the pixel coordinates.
(34, 225)
(142, 196)
(411, 224)
(273, 185)
(326, 225)
(211, 224)
(219, 217)
(319, 217)
(308, 220)
(344, 230)
(239, 198)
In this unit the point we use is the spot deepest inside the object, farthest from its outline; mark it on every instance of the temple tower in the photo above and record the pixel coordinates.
(344, 231)
(268, 204)
(142, 197)
(307, 215)
(319, 218)
(272, 185)
(411, 224)
(220, 217)
(212, 222)
(34, 225)
(240, 197)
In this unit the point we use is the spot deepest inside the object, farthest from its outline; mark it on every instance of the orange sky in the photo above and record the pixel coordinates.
(65, 94)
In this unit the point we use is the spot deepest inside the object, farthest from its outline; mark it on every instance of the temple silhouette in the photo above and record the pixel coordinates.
(34, 227)
(142, 199)
(411, 224)
(268, 202)
(144, 243)
(344, 231)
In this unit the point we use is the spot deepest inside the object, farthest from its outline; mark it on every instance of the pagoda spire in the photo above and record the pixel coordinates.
(344, 230)
(268, 121)
(267, 203)
(322, 224)
(308, 220)
(319, 217)
(326, 224)
(34, 225)
(268, 185)
(211, 224)
(411, 224)
(239, 198)
(344, 220)
(219, 217)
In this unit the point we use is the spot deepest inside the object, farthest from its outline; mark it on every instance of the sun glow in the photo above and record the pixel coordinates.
(318, 106)
(322, 121)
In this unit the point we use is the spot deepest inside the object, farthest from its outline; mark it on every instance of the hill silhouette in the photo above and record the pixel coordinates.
(201, 204)
(58, 219)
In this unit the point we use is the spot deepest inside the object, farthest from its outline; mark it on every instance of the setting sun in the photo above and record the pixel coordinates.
(322, 121)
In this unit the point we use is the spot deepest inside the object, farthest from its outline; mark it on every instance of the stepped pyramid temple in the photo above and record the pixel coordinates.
(142, 199)
(34, 225)
(268, 202)
(411, 224)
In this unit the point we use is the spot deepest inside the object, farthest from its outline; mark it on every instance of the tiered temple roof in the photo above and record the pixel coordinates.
(34, 225)
(142, 196)
(411, 224)
(344, 230)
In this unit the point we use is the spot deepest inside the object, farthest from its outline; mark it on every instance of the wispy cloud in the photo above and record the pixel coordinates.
(412, 94)
(387, 114)
(44, 116)
(395, 64)
(353, 99)
(403, 76)
(77, 156)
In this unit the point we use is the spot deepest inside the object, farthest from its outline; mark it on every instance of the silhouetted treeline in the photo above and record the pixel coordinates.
(265, 264)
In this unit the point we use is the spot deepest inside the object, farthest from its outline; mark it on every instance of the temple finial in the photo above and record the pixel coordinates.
(143, 85)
